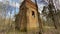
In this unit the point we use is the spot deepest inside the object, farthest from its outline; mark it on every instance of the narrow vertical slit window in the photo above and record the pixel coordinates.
(33, 14)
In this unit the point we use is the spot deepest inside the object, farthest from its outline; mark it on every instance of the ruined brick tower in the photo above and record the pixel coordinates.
(27, 18)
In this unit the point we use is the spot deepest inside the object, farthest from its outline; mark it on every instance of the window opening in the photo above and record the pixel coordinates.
(33, 14)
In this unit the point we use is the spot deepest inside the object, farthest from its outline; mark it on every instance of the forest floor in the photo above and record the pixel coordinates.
(46, 31)
(51, 30)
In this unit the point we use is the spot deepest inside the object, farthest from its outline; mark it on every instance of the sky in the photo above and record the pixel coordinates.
(13, 5)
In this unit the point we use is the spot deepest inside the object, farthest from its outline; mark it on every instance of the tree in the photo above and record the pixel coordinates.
(52, 12)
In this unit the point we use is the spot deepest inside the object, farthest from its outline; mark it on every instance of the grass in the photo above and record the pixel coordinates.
(13, 31)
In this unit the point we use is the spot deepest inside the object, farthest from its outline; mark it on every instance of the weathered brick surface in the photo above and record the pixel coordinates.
(28, 16)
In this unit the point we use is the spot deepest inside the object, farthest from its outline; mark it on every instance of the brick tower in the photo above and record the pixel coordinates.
(27, 18)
